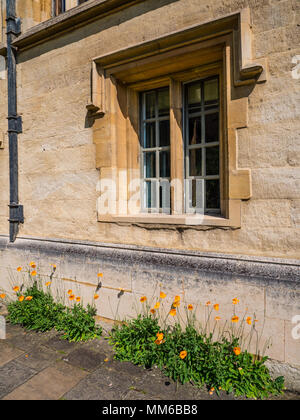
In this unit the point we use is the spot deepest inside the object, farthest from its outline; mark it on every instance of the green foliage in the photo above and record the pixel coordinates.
(134, 341)
(207, 362)
(78, 323)
(42, 313)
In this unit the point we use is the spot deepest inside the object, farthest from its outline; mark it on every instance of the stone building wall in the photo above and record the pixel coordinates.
(59, 194)
(59, 175)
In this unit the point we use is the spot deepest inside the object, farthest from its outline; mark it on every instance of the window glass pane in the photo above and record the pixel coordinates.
(195, 162)
(197, 194)
(150, 194)
(211, 127)
(164, 133)
(150, 164)
(163, 102)
(150, 137)
(195, 130)
(212, 160)
(150, 105)
(164, 164)
(194, 95)
(211, 92)
(164, 196)
(212, 194)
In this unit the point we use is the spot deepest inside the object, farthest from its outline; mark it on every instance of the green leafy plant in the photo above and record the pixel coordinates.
(189, 356)
(37, 310)
(39, 313)
(78, 323)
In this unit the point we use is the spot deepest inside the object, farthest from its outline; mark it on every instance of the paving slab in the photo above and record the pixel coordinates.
(84, 391)
(12, 375)
(24, 340)
(39, 358)
(8, 352)
(50, 384)
(137, 395)
(86, 358)
(59, 344)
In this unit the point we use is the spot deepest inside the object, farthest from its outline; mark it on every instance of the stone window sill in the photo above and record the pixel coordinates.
(166, 219)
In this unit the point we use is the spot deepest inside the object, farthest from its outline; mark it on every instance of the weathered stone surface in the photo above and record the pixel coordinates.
(13, 374)
(39, 358)
(8, 353)
(50, 384)
(85, 358)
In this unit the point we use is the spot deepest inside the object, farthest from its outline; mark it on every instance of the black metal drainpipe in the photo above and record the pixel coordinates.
(13, 29)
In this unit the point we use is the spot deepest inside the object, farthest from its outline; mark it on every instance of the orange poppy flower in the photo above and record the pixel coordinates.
(172, 312)
(32, 264)
(48, 283)
(190, 307)
(176, 304)
(16, 288)
(177, 298)
(216, 307)
(69, 292)
(33, 273)
(29, 298)
(235, 301)
(78, 299)
(100, 275)
(157, 341)
(160, 336)
(183, 354)
(217, 318)
(157, 305)
(2, 296)
(237, 350)
(19, 269)
(96, 297)
(143, 299)
(71, 297)
(248, 320)
(235, 319)
(152, 311)
(162, 295)
(21, 298)
(208, 303)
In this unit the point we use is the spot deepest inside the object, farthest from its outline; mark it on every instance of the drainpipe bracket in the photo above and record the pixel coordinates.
(13, 25)
(16, 214)
(14, 124)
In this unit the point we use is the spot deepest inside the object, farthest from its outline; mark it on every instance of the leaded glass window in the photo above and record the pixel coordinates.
(202, 155)
(155, 150)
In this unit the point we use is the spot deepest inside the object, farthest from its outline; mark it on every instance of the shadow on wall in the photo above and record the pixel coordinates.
(115, 19)
(2, 68)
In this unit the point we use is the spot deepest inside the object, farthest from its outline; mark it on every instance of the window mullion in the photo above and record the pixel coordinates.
(176, 148)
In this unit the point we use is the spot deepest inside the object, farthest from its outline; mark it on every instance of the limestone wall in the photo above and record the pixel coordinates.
(267, 289)
(58, 174)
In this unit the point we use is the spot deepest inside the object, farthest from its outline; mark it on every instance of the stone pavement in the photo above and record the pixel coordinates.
(40, 366)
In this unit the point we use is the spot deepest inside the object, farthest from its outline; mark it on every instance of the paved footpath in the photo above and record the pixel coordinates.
(41, 366)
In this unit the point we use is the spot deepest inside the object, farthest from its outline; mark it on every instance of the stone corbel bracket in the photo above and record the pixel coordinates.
(246, 71)
(96, 105)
